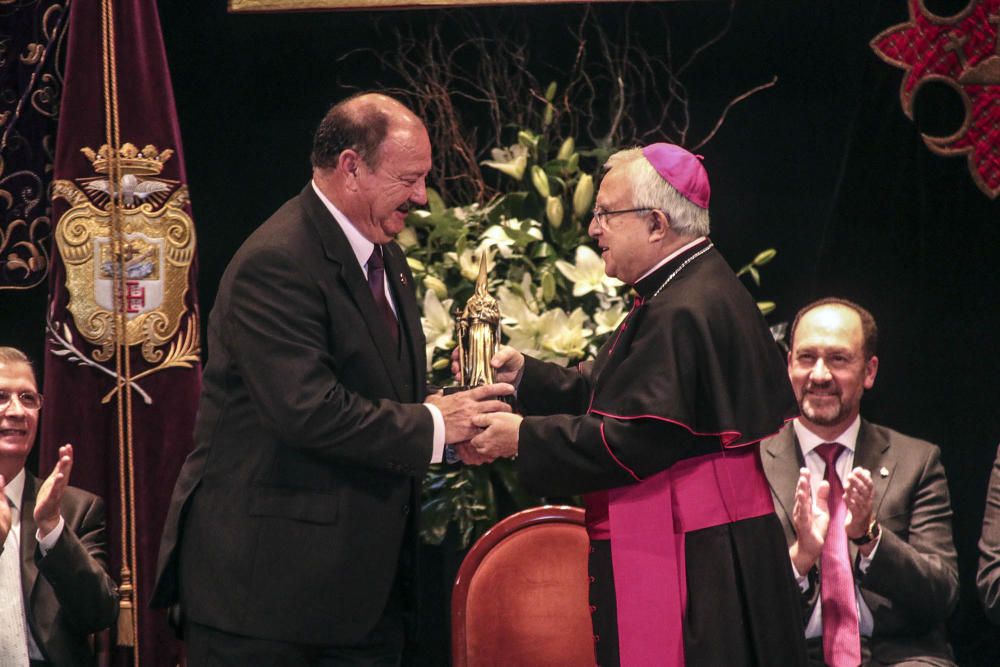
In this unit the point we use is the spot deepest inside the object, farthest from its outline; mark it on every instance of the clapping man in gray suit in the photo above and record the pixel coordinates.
(865, 509)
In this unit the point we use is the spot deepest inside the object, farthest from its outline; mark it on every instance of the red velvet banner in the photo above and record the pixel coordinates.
(117, 70)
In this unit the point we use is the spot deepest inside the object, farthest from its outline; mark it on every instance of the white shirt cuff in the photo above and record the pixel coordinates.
(438, 453)
(49, 541)
(865, 562)
(801, 580)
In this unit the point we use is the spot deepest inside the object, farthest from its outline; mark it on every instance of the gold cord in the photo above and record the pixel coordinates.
(128, 634)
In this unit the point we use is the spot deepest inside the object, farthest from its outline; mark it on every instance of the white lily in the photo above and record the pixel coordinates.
(564, 336)
(439, 328)
(515, 309)
(587, 274)
(512, 161)
(496, 237)
(607, 320)
(528, 226)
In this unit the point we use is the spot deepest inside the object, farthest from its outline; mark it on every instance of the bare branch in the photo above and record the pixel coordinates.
(733, 102)
(476, 82)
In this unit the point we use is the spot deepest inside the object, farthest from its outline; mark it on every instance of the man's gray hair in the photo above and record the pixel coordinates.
(11, 355)
(649, 189)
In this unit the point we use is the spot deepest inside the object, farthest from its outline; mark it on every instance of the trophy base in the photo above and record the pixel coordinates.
(454, 389)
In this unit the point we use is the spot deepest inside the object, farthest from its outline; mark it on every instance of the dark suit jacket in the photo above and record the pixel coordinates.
(988, 576)
(297, 507)
(911, 586)
(68, 594)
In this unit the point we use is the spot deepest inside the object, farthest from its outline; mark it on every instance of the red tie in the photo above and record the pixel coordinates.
(841, 636)
(376, 283)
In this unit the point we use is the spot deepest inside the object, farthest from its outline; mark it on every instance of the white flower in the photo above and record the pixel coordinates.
(512, 161)
(438, 326)
(563, 336)
(528, 226)
(552, 335)
(587, 275)
(607, 320)
(514, 309)
(496, 237)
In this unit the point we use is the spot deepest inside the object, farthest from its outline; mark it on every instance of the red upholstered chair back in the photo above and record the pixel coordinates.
(521, 595)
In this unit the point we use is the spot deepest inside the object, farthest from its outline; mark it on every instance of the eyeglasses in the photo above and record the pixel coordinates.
(29, 400)
(602, 216)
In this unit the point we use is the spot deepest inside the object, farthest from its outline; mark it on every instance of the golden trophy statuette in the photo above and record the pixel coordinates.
(477, 329)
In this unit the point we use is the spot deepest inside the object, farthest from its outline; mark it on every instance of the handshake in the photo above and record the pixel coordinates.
(477, 424)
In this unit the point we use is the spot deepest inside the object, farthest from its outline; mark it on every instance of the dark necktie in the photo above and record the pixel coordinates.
(376, 283)
(841, 635)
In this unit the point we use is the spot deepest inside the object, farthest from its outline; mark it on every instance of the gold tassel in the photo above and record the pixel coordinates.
(126, 622)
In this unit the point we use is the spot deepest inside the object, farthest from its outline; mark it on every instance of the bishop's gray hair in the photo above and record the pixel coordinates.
(650, 190)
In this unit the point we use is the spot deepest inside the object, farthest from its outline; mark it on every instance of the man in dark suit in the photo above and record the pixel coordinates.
(54, 587)
(870, 539)
(292, 531)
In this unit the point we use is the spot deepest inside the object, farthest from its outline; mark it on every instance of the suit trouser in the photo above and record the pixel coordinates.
(382, 647)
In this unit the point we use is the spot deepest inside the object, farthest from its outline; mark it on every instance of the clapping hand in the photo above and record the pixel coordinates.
(51, 492)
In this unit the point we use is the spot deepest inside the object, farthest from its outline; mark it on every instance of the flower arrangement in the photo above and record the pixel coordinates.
(556, 302)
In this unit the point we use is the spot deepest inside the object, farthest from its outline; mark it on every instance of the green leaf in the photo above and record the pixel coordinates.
(434, 201)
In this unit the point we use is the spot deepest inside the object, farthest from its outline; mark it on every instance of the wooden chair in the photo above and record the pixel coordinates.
(521, 595)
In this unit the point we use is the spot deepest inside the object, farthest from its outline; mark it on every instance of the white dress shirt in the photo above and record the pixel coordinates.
(363, 248)
(15, 492)
(808, 442)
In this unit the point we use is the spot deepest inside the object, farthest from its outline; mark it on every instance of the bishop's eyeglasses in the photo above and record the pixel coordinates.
(602, 216)
(29, 400)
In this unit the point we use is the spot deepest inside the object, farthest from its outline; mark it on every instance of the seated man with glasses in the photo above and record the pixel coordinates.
(54, 587)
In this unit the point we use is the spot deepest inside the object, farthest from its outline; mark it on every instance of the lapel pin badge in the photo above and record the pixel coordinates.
(883, 471)
(403, 280)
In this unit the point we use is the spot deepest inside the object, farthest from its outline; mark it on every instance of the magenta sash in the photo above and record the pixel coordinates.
(648, 556)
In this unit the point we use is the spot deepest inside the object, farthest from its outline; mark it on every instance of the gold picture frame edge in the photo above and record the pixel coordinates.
(261, 6)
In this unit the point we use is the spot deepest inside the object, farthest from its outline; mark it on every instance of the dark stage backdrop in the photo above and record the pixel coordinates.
(825, 167)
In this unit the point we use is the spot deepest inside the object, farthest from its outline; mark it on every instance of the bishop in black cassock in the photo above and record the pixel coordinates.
(660, 432)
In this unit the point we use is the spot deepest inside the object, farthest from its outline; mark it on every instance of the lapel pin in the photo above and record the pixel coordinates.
(883, 471)
(403, 280)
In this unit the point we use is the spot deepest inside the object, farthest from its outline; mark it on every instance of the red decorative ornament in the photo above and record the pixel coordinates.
(961, 51)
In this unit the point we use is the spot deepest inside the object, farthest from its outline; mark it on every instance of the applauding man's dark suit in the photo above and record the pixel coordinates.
(865, 509)
(54, 588)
